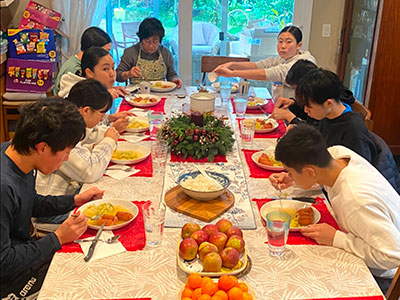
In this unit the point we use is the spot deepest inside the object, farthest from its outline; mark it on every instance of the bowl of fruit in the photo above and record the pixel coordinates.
(266, 160)
(214, 250)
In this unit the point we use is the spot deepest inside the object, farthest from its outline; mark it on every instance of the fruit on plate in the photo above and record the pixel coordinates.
(205, 248)
(212, 262)
(223, 225)
(234, 231)
(188, 229)
(269, 160)
(210, 229)
(218, 239)
(188, 249)
(263, 124)
(199, 236)
(236, 242)
(230, 257)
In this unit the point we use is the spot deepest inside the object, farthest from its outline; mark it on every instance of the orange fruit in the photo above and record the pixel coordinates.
(243, 286)
(204, 297)
(247, 296)
(226, 282)
(235, 293)
(234, 278)
(187, 293)
(206, 279)
(187, 298)
(215, 298)
(196, 294)
(209, 287)
(194, 281)
(221, 295)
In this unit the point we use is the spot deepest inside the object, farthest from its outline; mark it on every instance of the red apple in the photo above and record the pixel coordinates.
(212, 262)
(236, 242)
(188, 249)
(206, 248)
(200, 236)
(234, 231)
(223, 225)
(188, 229)
(218, 239)
(210, 229)
(230, 257)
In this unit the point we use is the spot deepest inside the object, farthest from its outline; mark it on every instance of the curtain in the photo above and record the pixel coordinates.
(78, 15)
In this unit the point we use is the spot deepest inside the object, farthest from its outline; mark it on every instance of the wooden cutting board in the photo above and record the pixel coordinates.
(205, 211)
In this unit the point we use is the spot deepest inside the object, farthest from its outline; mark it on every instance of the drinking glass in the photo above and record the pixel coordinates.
(225, 91)
(247, 129)
(240, 106)
(278, 224)
(159, 152)
(155, 121)
(153, 217)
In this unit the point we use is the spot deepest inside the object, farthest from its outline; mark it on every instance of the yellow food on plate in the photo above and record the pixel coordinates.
(136, 124)
(159, 84)
(254, 101)
(269, 160)
(299, 215)
(110, 214)
(262, 124)
(127, 154)
(145, 100)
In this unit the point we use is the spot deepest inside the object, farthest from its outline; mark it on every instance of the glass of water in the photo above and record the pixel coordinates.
(153, 217)
(247, 129)
(278, 224)
(240, 106)
(225, 90)
(159, 153)
(155, 121)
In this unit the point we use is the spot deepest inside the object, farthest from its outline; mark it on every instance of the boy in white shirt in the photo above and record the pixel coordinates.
(366, 206)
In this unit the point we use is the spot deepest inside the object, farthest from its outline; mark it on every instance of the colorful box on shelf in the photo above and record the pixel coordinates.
(31, 76)
(32, 44)
(37, 16)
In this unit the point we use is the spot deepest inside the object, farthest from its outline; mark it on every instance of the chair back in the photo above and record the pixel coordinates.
(129, 30)
(393, 293)
(365, 112)
(209, 63)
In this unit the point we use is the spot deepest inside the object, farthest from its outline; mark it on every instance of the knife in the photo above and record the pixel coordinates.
(302, 199)
(93, 245)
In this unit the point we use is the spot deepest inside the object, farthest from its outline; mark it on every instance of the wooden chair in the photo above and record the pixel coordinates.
(393, 293)
(209, 63)
(365, 112)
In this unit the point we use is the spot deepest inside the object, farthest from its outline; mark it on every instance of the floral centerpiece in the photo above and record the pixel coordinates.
(188, 137)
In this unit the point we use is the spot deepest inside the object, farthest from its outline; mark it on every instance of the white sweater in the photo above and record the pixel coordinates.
(276, 69)
(67, 82)
(87, 163)
(368, 213)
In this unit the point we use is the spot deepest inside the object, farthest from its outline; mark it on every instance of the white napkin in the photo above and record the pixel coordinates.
(103, 249)
(139, 112)
(119, 174)
(133, 138)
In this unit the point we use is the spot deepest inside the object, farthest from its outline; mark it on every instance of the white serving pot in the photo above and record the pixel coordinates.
(202, 102)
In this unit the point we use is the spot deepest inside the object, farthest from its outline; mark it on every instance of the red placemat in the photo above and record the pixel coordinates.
(350, 298)
(145, 167)
(178, 158)
(124, 106)
(295, 237)
(277, 133)
(256, 171)
(132, 236)
(269, 107)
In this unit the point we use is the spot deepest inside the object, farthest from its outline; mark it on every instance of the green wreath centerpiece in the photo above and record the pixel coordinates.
(188, 139)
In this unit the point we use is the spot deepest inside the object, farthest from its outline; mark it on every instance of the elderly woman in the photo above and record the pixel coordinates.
(148, 59)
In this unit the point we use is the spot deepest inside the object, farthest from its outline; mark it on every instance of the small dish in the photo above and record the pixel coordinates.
(144, 100)
(137, 124)
(129, 147)
(162, 86)
(255, 157)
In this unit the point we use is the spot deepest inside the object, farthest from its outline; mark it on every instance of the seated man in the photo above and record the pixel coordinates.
(45, 134)
(366, 206)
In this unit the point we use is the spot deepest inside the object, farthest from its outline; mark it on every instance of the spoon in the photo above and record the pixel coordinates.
(204, 173)
(265, 113)
(90, 218)
(108, 240)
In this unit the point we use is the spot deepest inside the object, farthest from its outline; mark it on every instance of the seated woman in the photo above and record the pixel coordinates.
(275, 68)
(149, 59)
(91, 37)
(89, 159)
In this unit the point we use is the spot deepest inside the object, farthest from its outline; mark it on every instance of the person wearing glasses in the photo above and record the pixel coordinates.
(89, 159)
(148, 60)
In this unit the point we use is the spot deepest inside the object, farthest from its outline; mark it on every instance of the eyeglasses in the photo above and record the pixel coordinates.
(98, 111)
(149, 41)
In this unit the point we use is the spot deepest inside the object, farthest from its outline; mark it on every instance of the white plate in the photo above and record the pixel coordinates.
(257, 155)
(262, 102)
(290, 204)
(274, 123)
(126, 146)
(195, 266)
(124, 203)
(171, 86)
(142, 103)
(139, 129)
(234, 88)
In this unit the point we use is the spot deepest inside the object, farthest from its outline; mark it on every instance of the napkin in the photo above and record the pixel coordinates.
(133, 138)
(139, 112)
(103, 249)
(120, 174)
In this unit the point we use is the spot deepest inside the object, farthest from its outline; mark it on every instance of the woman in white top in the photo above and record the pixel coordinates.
(272, 69)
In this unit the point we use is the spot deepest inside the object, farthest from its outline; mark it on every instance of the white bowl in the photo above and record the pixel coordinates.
(140, 129)
(126, 146)
(257, 100)
(288, 204)
(257, 155)
(274, 123)
(124, 203)
(143, 103)
(234, 88)
(169, 86)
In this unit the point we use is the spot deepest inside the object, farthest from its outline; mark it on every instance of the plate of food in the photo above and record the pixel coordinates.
(128, 153)
(162, 86)
(265, 125)
(114, 213)
(234, 88)
(266, 160)
(137, 124)
(302, 214)
(144, 100)
(255, 102)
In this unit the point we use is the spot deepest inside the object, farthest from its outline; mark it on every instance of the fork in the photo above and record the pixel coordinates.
(108, 240)
(265, 113)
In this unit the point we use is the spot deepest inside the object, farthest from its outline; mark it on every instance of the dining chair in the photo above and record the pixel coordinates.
(209, 63)
(365, 112)
(129, 30)
(120, 44)
(393, 293)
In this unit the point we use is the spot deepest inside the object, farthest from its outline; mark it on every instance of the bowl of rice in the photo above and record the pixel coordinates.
(198, 187)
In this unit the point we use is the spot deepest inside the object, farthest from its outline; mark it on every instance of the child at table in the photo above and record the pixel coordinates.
(46, 132)
(366, 206)
(89, 159)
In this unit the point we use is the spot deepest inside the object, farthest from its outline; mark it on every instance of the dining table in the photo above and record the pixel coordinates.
(306, 271)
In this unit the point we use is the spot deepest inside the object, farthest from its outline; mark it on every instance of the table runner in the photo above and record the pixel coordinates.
(277, 133)
(179, 158)
(295, 237)
(269, 107)
(124, 106)
(145, 167)
(132, 236)
(256, 171)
